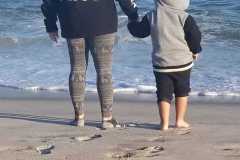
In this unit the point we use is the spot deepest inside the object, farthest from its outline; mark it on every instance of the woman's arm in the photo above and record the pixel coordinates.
(130, 8)
(140, 29)
(49, 10)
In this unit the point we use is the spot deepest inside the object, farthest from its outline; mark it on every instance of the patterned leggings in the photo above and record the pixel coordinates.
(101, 50)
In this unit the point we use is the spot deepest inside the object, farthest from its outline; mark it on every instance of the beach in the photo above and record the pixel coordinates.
(32, 119)
(36, 111)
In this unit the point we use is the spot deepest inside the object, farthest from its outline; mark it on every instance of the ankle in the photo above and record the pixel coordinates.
(108, 118)
(164, 127)
(182, 123)
(79, 117)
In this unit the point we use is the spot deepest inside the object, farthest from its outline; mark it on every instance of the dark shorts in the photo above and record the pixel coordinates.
(177, 83)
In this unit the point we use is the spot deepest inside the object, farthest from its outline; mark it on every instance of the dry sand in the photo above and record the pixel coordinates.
(29, 120)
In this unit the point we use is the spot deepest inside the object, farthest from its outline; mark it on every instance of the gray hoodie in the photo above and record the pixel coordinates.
(170, 49)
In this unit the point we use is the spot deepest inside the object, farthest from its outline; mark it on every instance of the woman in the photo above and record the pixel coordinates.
(88, 25)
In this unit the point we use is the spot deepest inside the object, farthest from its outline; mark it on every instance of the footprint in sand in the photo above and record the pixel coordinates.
(145, 151)
(3, 148)
(17, 149)
(87, 138)
(157, 139)
(122, 155)
(176, 131)
(182, 131)
(152, 151)
(230, 150)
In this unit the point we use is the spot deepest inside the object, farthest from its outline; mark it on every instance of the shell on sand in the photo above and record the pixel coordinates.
(45, 149)
(131, 125)
(87, 138)
(82, 138)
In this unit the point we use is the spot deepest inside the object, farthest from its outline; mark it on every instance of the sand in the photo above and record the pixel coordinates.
(29, 120)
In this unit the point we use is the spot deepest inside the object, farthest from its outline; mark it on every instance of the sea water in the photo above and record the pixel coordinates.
(29, 60)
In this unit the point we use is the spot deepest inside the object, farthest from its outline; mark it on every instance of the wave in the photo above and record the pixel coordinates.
(13, 41)
(141, 89)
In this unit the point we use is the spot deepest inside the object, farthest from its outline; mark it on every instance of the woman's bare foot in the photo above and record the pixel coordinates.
(182, 124)
(111, 123)
(78, 121)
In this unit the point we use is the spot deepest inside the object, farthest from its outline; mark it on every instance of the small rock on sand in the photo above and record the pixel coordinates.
(45, 149)
(87, 138)
(131, 125)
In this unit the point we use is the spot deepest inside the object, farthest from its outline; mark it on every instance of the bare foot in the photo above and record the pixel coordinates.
(164, 127)
(182, 124)
(78, 123)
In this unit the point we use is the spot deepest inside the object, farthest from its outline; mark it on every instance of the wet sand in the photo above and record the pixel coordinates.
(29, 120)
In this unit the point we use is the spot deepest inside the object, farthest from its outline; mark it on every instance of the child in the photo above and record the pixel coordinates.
(176, 43)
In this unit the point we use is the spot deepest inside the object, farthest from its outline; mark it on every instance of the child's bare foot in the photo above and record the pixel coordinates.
(182, 124)
(164, 127)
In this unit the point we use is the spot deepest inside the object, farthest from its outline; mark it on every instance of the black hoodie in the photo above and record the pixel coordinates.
(82, 18)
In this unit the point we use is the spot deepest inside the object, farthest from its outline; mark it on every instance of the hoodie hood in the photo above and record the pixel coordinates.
(175, 4)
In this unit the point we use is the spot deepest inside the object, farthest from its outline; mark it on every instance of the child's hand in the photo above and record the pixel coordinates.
(195, 56)
(53, 36)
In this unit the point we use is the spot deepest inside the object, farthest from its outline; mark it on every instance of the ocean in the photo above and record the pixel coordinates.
(29, 60)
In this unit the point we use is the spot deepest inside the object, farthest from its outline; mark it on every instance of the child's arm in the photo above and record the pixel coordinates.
(49, 10)
(130, 8)
(193, 36)
(140, 29)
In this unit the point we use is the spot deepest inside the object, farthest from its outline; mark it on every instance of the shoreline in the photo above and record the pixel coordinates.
(13, 93)
(29, 120)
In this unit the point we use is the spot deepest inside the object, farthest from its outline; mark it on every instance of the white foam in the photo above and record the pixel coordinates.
(60, 42)
(208, 94)
(57, 88)
(232, 94)
(9, 40)
(126, 90)
(15, 40)
(194, 93)
(215, 94)
(141, 89)
(146, 89)
(34, 88)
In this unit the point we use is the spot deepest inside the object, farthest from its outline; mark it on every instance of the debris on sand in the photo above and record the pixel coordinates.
(87, 138)
(45, 149)
(144, 151)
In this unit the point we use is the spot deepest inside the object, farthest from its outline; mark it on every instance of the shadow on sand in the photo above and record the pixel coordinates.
(46, 119)
(66, 121)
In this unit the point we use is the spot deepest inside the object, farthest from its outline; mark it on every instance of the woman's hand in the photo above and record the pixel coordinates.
(53, 36)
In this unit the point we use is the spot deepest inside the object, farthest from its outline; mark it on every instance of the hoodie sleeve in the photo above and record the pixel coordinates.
(192, 35)
(130, 8)
(140, 29)
(49, 9)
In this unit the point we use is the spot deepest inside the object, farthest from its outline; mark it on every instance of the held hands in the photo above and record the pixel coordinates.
(195, 56)
(53, 36)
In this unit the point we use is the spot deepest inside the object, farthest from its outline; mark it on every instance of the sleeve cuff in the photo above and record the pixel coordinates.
(197, 51)
(50, 26)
